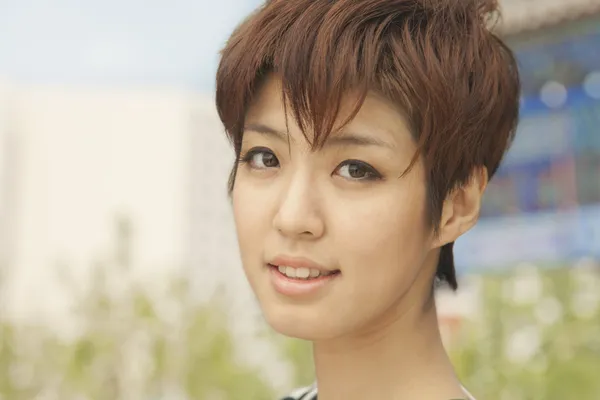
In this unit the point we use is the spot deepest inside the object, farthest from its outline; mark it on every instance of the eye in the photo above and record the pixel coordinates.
(357, 171)
(260, 158)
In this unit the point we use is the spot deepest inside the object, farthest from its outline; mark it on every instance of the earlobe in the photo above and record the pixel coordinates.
(461, 208)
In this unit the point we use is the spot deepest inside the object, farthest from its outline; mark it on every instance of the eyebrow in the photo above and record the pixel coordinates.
(347, 139)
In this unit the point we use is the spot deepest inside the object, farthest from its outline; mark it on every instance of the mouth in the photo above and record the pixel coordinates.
(303, 273)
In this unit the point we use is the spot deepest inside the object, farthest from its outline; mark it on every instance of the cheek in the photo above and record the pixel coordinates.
(388, 235)
(382, 244)
(250, 216)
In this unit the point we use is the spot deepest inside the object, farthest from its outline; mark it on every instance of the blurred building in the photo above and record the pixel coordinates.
(5, 179)
(544, 204)
(72, 161)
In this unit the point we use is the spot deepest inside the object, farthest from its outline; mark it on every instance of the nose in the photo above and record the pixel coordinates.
(299, 215)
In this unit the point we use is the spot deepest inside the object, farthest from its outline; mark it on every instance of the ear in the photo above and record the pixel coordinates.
(461, 208)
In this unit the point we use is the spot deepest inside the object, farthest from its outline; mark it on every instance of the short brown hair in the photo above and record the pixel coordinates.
(436, 59)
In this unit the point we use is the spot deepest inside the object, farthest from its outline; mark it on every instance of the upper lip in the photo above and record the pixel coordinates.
(297, 262)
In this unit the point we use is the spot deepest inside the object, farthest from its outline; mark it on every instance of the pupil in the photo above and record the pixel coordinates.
(355, 171)
(269, 160)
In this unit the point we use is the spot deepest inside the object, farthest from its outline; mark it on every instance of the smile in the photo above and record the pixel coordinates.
(302, 273)
(300, 281)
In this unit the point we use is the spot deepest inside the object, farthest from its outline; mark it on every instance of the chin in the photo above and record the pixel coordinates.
(303, 324)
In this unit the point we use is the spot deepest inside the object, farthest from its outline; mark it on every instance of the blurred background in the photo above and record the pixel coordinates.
(119, 271)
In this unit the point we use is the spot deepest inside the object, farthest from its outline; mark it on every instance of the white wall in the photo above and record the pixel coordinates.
(84, 157)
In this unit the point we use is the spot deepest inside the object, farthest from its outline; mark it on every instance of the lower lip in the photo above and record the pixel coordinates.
(298, 287)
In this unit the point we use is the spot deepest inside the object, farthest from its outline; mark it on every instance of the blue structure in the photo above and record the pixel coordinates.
(544, 203)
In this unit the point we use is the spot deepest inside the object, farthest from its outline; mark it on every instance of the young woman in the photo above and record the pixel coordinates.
(365, 133)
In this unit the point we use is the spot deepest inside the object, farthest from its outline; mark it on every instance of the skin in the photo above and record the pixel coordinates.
(374, 327)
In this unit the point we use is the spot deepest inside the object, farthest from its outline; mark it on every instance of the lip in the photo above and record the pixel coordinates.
(299, 287)
(298, 262)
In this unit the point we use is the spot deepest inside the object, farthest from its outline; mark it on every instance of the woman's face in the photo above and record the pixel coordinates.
(333, 241)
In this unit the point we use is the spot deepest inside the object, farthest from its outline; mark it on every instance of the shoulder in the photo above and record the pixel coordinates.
(305, 393)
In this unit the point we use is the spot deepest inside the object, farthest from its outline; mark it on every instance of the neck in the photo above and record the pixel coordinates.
(402, 358)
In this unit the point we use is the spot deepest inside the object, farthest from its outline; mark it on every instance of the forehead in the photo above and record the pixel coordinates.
(377, 116)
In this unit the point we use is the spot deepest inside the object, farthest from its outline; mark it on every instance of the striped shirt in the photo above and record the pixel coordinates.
(310, 393)
(306, 393)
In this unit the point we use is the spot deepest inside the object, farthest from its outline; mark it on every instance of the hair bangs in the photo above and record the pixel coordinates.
(325, 57)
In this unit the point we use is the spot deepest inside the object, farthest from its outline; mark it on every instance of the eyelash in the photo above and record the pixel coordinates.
(247, 157)
(371, 173)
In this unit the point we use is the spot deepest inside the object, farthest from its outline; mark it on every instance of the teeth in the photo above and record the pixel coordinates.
(300, 273)
(290, 272)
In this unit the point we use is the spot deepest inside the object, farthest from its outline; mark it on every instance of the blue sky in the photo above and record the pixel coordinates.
(172, 42)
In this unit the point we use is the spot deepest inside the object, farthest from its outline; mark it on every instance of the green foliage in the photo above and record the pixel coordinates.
(127, 347)
(559, 349)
